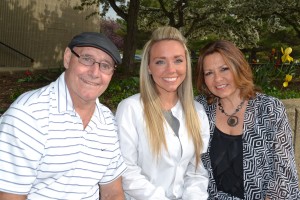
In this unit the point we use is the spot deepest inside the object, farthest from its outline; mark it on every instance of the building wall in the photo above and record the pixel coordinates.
(40, 29)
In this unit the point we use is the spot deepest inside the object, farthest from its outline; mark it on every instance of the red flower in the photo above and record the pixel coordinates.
(273, 51)
(28, 73)
(277, 64)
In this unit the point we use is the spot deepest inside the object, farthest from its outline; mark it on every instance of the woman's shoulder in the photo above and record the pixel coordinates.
(129, 105)
(131, 99)
(267, 100)
(265, 105)
(199, 106)
(202, 100)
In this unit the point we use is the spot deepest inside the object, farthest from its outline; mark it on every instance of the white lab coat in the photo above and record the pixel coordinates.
(173, 176)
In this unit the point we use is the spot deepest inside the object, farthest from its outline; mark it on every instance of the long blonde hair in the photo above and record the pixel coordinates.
(152, 106)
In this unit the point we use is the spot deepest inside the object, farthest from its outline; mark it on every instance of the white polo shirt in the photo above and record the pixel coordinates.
(47, 154)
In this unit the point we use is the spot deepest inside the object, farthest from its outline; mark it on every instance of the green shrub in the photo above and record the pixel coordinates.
(270, 77)
(118, 90)
(31, 77)
(16, 93)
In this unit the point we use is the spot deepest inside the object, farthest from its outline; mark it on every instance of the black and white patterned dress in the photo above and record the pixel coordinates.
(269, 167)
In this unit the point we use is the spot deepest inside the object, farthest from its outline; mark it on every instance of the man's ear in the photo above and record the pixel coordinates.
(67, 57)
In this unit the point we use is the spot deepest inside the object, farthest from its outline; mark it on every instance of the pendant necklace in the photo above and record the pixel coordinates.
(232, 119)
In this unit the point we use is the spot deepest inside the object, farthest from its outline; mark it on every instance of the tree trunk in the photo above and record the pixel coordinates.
(130, 38)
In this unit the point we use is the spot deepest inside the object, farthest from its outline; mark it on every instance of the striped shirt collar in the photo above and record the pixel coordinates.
(64, 100)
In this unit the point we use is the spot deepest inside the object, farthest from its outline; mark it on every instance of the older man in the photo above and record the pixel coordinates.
(59, 141)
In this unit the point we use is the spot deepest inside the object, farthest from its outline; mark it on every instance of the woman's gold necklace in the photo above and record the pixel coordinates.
(232, 119)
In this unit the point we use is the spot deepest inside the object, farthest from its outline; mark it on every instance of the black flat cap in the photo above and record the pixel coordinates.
(97, 40)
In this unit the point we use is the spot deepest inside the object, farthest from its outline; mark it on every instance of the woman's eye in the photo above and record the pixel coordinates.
(178, 61)
(207, 73)
(160, 62)
(225, 68)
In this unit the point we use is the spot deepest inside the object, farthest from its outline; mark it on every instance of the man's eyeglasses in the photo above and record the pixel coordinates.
(104, 67)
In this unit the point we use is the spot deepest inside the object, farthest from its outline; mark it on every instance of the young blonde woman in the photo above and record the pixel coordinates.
(162, 130)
